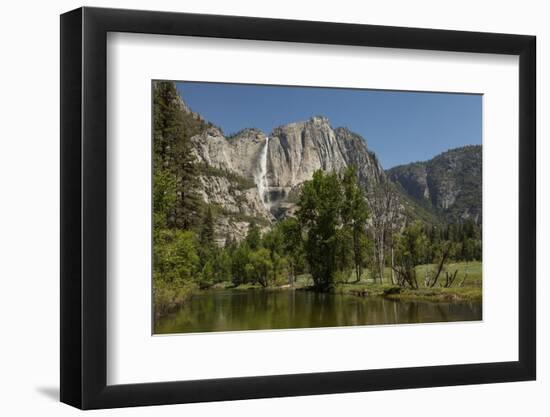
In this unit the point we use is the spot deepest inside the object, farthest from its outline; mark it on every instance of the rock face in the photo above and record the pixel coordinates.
(276, 165)
(252, 176)
(239, 153)
(297, 150)
(227, 178)
(450, 183)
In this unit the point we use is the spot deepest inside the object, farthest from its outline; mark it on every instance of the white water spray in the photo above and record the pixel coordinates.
(261, 178)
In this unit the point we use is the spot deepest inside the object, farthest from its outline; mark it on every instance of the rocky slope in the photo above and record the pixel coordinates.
(227, 169)
(449, 184)
(254, 176)
(276, 165)
(297, 150)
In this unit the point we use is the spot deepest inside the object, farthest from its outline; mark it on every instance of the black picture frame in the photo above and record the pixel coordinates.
(84, 207)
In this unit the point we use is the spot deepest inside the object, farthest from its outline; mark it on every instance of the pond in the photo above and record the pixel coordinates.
(226, 310)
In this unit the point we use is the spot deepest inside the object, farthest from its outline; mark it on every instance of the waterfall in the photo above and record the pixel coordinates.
(261, 178)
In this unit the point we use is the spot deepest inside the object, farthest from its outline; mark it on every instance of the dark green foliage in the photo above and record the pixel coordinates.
(164, 198)
(273, 258)
(333, 212)
(258, 260)
(253, 238)
(328, 238)
(207, 230)
(257, 269)
(176, 257)
(320, 206)
(465, 240)
(208, 250)
(292, 246)
(178, 265)
(172, 130)
(223, 266)
(239, 260)
(171, 123)
(411, 248)
(354, 218)
(445, 193)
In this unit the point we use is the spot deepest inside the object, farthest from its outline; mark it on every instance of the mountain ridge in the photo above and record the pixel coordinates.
(252, 176)
(289, 156)
(449, 183)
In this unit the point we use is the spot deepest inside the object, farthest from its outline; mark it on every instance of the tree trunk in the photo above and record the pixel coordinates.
(392, 266)
(381, 258)
(443, 259)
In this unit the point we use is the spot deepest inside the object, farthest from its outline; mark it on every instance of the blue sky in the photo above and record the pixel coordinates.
(400, 127)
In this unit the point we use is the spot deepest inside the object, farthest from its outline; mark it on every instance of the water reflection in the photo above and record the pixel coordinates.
(256, 309)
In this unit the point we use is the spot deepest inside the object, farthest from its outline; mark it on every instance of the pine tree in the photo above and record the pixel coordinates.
(293, 246)
(410, 251)
(253, 237)
(207, 230)
(173, 128)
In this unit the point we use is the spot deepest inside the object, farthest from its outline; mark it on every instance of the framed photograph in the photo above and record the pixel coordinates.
(258, 208)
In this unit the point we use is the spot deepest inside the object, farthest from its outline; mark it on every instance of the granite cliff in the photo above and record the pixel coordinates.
(254, 176)
(449, 184)
(257, 175)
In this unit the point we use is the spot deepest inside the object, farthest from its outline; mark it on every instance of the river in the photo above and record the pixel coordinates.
(226, 310)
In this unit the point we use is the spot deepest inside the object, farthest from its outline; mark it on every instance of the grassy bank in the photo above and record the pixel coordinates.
(259, 287)
(168, 299)
(466, 287)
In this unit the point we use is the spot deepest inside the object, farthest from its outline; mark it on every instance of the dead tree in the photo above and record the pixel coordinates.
(450, 278)
(431, 281)
(406, 275)
(463, 280)
(384, 208)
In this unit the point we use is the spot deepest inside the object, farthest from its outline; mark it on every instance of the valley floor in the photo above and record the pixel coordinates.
(466, 287)
(250, 307)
